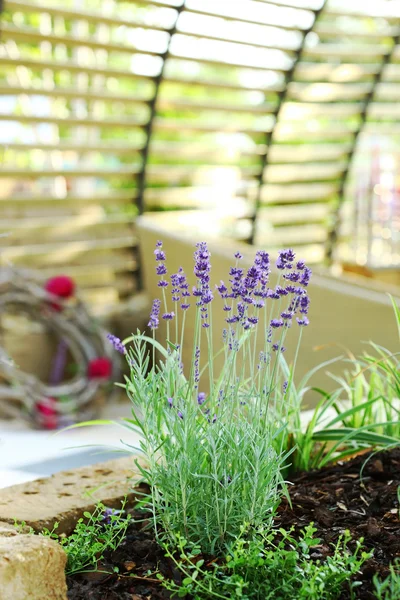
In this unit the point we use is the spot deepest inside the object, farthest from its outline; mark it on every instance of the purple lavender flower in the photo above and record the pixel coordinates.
(286, 315)
(233, 319)
(284, 387)
(185, 306)
(300, 265)
(252, 320)
(293, 276)
(275, 323)
(116, 342)
(154, 315)
(275, 348)
(159, 244)
(170, 401)
(159, 254)
(168, 316)
(108, 513)
(180, 414)
(201, 398)
(161, 269)
(304, 304)
(306, 276)
(238, 255)
(303, 322)
(163, 283)
(196, 367)
(222, 289)
(202, 265)
(285, 259)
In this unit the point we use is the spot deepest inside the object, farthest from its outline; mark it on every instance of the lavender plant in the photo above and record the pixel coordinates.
(215, 442)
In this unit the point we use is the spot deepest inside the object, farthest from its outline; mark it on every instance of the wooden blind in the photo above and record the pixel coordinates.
(111, 107)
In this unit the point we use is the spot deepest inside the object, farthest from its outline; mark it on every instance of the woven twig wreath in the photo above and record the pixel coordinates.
(57, 403)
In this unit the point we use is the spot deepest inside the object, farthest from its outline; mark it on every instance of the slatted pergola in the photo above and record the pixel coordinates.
(109, 108)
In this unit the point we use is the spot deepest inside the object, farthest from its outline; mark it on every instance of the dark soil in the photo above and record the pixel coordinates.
(334, 498)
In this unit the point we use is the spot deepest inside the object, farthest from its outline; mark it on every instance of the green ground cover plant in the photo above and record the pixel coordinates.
(271, 566)
(94, 534)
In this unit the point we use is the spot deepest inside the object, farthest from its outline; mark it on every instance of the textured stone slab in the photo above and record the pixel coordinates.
(66, 495)
(31, 567)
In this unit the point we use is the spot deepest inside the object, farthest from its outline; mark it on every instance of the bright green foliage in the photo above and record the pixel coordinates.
(273, 566)
(93, 535)
(389, 588)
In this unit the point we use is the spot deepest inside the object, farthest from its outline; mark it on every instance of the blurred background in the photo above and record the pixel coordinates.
(253, 122)
(279, 116)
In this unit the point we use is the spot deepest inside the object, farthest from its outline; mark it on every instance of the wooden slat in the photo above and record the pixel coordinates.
(387, 91)
(30, 35)
(305, 153)
(323, 132)
(382, 128)
(384, 109)
(95, 17)
(297, 193)
(82, 272)
(200, 196)
(73, 94)
(70, 67)
(80, 148)
(175, 172)
(299, 213)
(102, 173)
(364, 10)
(96, 220)
(201, 150)
(215, 62)
(222, 36)
(75, 121)
(334, 29)
(335, 73)
(288, 173)
(391, 73)
(341, 50)
(64, 253)
(328, 92)
(110, 198)
(242, 19)
(183, 103)
(218, 84)
(300, 110)
(187, 125)
(288, 236)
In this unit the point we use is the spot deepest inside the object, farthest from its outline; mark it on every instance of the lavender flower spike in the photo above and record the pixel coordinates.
(116, 342)
(154, 316)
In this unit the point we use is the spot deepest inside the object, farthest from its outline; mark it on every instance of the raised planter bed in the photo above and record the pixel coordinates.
(335, 498)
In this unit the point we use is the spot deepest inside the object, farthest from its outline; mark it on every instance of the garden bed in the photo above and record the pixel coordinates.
(336, 498)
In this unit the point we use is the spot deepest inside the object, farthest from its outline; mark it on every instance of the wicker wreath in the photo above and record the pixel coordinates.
(55, 304)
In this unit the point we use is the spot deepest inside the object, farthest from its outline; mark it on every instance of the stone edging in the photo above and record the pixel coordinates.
(32, 567)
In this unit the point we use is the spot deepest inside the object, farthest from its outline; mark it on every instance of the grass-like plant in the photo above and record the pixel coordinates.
(366, 403)
(216, 457)
(388, 588)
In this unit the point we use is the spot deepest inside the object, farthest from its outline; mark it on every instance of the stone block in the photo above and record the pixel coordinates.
(65, 496)
(32, 567)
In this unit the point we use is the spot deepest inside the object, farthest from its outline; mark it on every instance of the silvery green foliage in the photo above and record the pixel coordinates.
(216, 457)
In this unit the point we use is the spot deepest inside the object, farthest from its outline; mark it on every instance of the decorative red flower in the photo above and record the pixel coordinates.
(61, 286)
(99, 368)
(47, 413)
